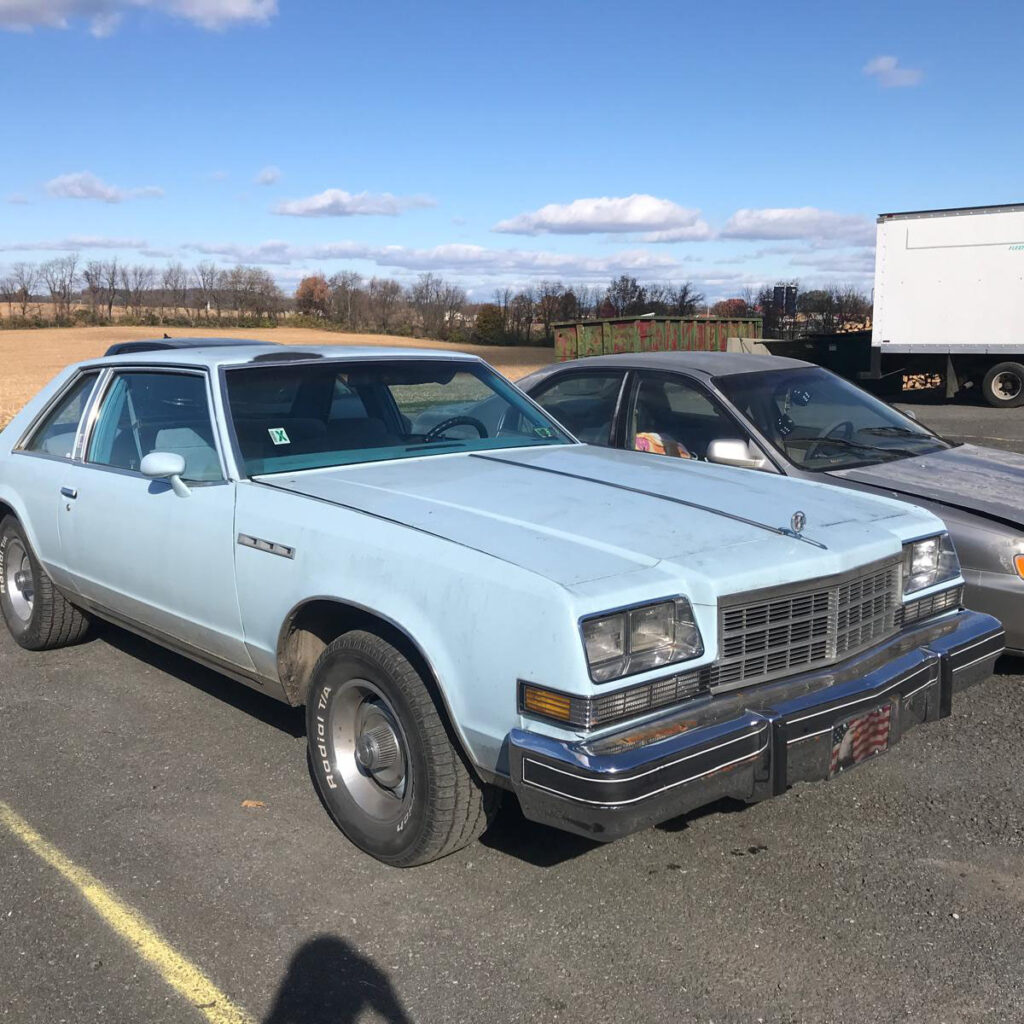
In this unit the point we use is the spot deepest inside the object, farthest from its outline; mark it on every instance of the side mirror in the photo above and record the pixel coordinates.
(909, 413)
(733, 452)
(167, 466)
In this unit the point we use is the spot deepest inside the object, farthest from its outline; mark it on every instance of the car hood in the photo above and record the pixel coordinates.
(577, 513)
(985, 481)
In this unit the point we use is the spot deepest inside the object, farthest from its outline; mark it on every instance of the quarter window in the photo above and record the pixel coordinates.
(56, 434)
(585, 403)
(156, 412)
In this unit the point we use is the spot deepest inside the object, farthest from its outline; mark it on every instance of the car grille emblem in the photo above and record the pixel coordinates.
(798, 522)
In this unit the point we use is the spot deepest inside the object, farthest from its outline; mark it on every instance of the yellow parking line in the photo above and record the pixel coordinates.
(181, 974)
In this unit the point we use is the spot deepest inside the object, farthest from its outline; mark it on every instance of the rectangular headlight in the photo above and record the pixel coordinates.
(636, 639)
(928, 562)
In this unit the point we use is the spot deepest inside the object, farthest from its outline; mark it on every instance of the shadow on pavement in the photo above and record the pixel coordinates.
(288, 719)
(1010, 665)
(330, 982)
(512, 834)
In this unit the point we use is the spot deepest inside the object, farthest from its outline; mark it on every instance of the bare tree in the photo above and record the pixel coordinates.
(503, 299)
(110, 274)
(520, 316)
(549, 303)
(93, 276)
(60, 276)
(174, 287)
(205, 278)
(25, 277)
(384, 296)
(136, 282)
(346, 296)
(438, 303)
(8, 293)
(686, 300)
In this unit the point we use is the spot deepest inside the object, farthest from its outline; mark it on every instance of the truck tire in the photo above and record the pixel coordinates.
(382, 759)
(1003, 386)
(38, 616)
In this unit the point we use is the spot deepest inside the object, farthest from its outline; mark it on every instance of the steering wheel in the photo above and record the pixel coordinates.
(439, 429)
(841, 430)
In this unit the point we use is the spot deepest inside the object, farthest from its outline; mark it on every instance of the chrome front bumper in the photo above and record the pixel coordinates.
(749, 744)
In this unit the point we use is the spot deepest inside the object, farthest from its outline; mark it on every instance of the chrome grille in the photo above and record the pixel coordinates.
(791, 629)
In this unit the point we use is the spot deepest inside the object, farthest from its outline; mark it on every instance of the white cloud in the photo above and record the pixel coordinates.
(75, 242)
(85, 185)
(335, 202)
(803, 222)
(268, 175)
(890, 75)
(104, 16)
(609, 214)
(452, 258)
(18, 199)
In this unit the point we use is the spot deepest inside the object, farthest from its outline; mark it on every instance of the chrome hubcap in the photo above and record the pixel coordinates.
(1007, 385)
(20, 585)
(368, 750)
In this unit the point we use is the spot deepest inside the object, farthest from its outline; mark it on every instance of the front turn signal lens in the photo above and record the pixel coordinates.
(547, 704)
(1018, 564)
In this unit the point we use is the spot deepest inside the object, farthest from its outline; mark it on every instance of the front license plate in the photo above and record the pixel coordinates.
(859, 738)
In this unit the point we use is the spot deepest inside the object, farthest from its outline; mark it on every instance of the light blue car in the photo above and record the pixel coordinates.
(475, 602)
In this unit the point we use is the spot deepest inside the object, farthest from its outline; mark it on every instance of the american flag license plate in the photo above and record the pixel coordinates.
(859, 738)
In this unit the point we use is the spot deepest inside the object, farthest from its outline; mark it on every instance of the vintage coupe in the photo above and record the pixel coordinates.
(786, 416)
(464, 609)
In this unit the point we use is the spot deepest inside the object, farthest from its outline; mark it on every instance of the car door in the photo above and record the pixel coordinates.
(40, 466)
(134, 547)
(586, 402)
(675, 415)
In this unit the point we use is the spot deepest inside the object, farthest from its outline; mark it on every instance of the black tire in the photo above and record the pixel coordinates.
(38, 616)
(1003, 386)
(363, 688)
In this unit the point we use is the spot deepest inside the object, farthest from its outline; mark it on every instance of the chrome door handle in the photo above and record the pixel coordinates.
(68, 492)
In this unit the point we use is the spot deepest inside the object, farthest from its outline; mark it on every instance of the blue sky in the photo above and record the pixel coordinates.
(729, 144)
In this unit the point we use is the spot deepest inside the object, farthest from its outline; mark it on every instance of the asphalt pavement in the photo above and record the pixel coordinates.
(893, 893)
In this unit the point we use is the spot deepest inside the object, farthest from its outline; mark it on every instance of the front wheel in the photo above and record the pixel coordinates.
(382, 758)
(1003, 386)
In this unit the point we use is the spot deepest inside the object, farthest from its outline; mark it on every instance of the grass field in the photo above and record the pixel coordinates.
(28, 359)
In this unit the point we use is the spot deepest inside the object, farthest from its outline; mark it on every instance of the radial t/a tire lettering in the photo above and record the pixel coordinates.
(381, 756)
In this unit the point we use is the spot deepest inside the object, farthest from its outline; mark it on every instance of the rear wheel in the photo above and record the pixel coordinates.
(382, 759)
(1003, 386)
(38, 616)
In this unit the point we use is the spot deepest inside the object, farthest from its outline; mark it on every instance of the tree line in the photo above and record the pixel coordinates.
(105, 291)
(102, 291)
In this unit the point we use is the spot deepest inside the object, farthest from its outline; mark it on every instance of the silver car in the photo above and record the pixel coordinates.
(786, 416)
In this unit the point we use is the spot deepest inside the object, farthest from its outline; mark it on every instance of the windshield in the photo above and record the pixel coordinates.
(289, 418)
(819, 421)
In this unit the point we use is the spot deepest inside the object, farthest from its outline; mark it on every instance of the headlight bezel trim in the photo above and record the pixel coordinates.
(947, 548)
(625, 610)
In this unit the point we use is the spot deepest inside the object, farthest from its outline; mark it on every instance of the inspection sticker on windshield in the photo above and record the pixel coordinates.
(279, 435)
(543, 431)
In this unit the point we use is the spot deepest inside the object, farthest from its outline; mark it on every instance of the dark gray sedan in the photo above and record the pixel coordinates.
(779, 415)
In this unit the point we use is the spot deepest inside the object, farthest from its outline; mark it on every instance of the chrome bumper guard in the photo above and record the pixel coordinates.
(748, 744)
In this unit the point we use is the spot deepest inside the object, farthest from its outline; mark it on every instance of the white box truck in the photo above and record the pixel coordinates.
(949, 302)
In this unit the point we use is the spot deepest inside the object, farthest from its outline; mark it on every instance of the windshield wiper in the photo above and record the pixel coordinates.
(896, 432)
(842, 442)
(434, 444)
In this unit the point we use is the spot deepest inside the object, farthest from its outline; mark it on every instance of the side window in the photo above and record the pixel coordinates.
(56, 434)
(677, 418)
(156, 412)
(585, 403)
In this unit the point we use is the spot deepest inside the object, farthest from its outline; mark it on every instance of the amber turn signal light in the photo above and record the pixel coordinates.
(1018, 564)
(544, 702)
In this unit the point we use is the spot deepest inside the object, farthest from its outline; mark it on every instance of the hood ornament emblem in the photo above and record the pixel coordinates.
(798, 522)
